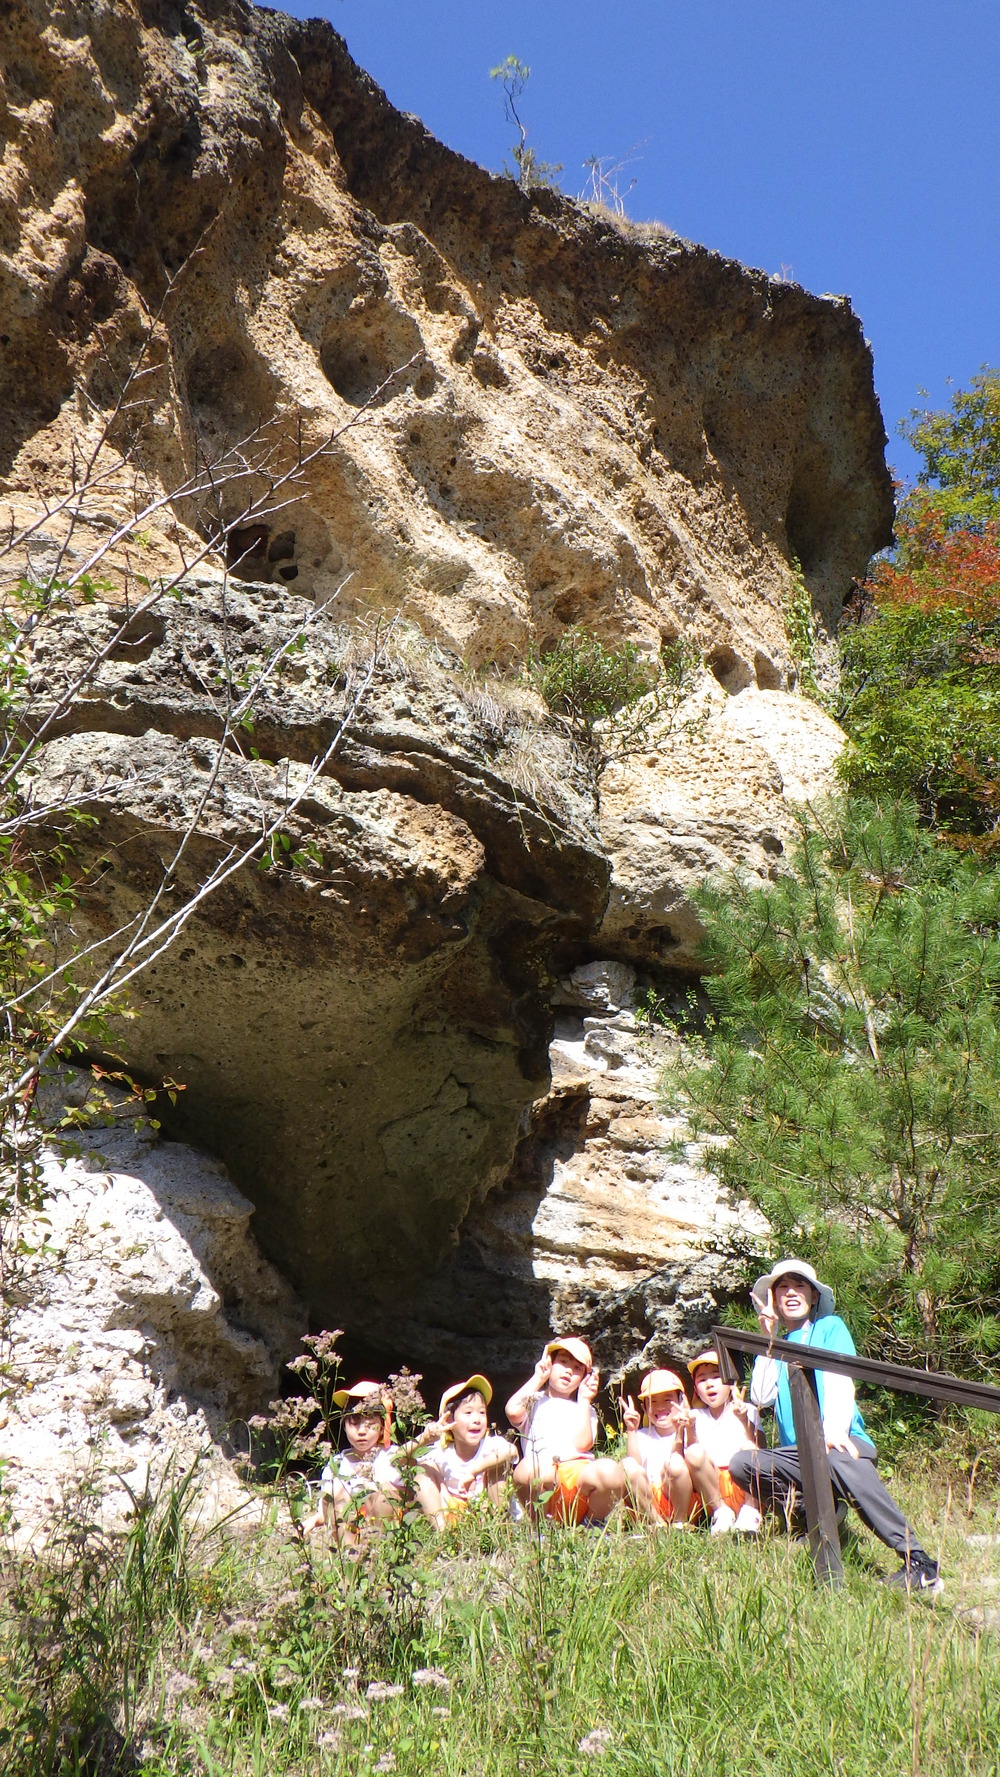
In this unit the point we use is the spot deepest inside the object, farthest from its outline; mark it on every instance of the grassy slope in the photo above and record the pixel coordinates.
(689, 1655)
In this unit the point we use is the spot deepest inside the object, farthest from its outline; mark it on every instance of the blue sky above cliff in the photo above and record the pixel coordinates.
(854, 142)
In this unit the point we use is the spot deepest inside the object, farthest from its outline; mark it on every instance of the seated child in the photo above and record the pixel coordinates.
(467, 1461)
(555, 1416)
(360, 1481)
(657, 1475)
(721, 1424)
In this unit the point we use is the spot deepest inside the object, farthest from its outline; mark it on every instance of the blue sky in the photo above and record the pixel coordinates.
(854, 142)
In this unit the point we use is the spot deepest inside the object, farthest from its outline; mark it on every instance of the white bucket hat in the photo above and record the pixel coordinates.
(796, 1268)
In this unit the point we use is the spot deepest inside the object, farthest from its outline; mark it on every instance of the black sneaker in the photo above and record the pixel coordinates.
(918, 1574)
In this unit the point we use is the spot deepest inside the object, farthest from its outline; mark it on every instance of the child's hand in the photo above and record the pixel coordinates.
(434, 1429)
(767, 1314)
(543, 1370)
(590, 1386)
(683, 1414)
(738, 1401)
(631, 1417)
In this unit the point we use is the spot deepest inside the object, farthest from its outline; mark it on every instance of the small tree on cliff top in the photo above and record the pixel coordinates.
(851, 1066)
(513, 76)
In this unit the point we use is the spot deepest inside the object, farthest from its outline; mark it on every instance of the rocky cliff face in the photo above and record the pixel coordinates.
(143, 1322)
(557, 420)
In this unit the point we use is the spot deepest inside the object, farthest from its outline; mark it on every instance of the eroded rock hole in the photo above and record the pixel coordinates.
(246, 551)
(139, 636)
(222, 386)
(767, 674)
(361, 353)
(281, 548)
(730, 669)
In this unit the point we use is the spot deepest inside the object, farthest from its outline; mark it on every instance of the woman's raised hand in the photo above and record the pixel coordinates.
(767, 1314)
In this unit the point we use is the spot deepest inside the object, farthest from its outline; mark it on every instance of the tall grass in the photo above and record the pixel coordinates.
(487, 1653)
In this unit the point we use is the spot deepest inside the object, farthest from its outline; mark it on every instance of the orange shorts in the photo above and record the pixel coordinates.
(564, 1502)
(665, 1505)
(732, 1495)
(662, 1500)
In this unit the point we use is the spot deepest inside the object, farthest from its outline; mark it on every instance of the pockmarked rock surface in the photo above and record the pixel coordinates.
(713, 793)
(585, 422)
(147, 1325)
(502, 415)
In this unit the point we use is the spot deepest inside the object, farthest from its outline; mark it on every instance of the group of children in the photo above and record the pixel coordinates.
(684, 1460)
(676, 1466)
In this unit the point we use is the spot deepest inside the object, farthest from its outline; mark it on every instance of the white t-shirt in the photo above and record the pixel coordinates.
(444, 1465)
(721, 1438)
(551, 1430)
(359, 1474)
(654, 1450)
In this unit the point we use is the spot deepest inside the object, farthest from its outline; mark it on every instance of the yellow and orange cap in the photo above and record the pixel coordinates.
(576, 1347)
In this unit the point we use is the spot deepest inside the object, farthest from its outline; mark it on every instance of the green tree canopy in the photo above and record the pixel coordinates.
(850, 1065)
(960, 446)
(920, 680)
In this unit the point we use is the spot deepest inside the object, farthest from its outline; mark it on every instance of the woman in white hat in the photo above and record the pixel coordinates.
(793, 1304)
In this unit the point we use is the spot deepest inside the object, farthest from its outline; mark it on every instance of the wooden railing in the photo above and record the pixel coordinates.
(803, 1361)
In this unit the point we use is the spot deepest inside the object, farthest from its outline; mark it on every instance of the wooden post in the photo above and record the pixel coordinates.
(817, 1488)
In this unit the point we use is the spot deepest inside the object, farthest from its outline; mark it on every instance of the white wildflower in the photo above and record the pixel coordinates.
(443, 1712)
(378, 1691)
(350, 1712)
(597, 1741)
(330, 1737)
(179, 1682)
(386, 1763)
(311, 1703)
(278, 1711)
(432, 1675)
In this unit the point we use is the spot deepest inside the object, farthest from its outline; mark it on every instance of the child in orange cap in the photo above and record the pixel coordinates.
(554, 1413)
(721, 1424)
(658, 1478)
(360, 1481)
(467, 1461)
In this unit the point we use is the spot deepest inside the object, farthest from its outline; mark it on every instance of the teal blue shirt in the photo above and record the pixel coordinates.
(830, 1334)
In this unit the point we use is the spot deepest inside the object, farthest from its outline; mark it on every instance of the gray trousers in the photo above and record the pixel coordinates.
(771, 1475)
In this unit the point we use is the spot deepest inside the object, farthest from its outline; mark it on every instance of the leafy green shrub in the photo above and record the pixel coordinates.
(960, 445)
(617, 701)
(582, 679)
(800, 631)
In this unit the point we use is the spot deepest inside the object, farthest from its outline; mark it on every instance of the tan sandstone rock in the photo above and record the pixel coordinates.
(714, 792)
(503, 415)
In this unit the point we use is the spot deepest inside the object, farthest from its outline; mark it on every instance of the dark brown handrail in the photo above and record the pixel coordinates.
(934, 1384)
